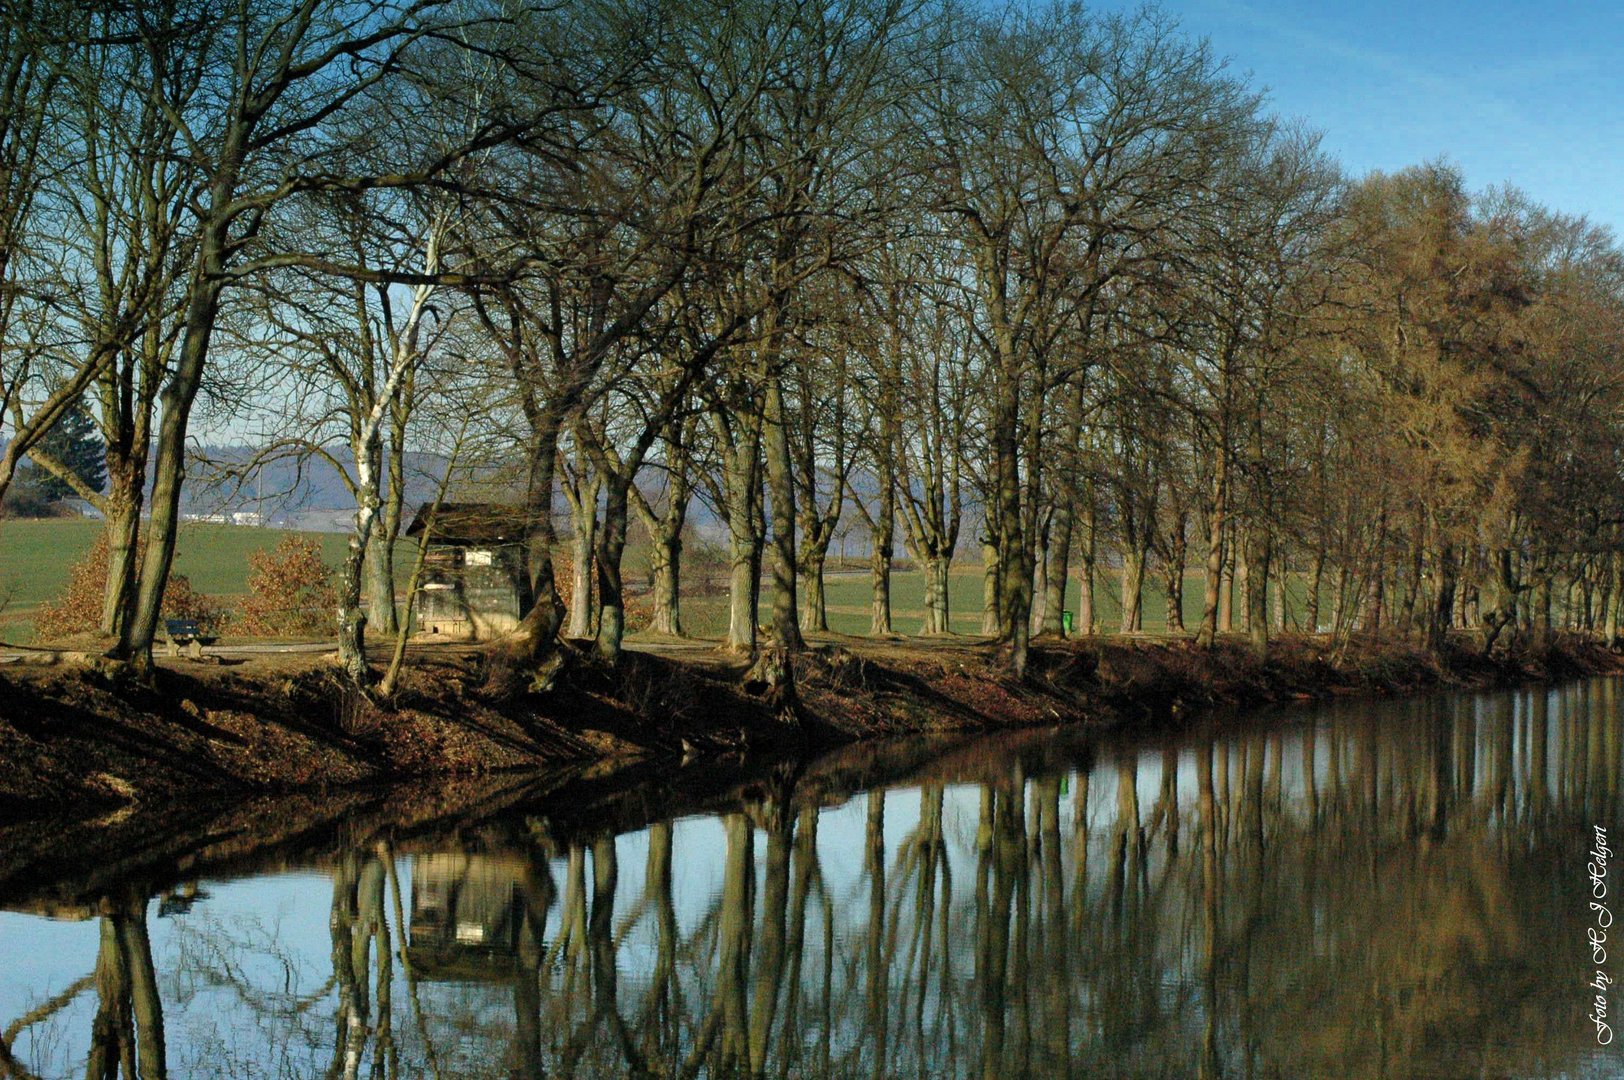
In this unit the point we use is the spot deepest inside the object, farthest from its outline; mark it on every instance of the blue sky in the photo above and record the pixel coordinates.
(1527, 93)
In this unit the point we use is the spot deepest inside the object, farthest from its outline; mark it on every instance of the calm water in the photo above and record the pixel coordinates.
(1395, 889)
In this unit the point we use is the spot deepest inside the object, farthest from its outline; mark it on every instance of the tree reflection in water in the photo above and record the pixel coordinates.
(1336, 897)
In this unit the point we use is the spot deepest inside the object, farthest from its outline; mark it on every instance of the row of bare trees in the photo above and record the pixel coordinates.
(1044, 278)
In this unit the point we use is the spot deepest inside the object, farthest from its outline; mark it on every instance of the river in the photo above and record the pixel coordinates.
(1397, 888)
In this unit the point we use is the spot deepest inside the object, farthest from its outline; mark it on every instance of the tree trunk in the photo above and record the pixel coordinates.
(1412, 590)
(177, 397)
(814, 615)
(1212, 598)
(1040, 580)
(1087, 557)
(1542, 609)
(1593, 586)
(1339, 601)
(382, 614)
(145, 1001)
(111, 1050)
(879, 569)
(883, 533)
(1173, 586)
(1259, 552)
(1615, 576)
(992, 589)
(664, 528)
(781, 492)
(611, 546)
(1063, 515)
(537, 633)
(583, 552)
(385, 613)
(1316, 578)
(1016, 569)
(1443, 608)
(1173, 577)
(583, 546)
(1057, 568)
(666, 558)
(744, 548)
(938, 609)
(1278, 601)
(1377, 606)
(1239, 577)
(759, 555)
(352, 618)
(1133, 589)
(770, 952)
(123, 536)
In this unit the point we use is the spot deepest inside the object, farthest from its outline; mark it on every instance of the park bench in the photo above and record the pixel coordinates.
(185, 634)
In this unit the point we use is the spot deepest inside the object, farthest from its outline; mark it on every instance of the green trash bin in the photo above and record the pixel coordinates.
(1065, 620)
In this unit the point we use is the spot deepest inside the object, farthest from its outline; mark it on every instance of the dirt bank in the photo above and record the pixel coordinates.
(63, 865)
(74, 739)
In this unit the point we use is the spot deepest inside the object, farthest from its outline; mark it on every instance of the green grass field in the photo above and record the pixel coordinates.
(849, 598)
(36, 557)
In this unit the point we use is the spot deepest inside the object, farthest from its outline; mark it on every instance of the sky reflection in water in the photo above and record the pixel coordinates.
(1388, 889)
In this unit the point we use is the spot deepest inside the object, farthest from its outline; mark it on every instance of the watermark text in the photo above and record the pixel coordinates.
(1601, 921)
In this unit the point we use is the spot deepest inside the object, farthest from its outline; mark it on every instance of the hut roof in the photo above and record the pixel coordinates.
(463, 524)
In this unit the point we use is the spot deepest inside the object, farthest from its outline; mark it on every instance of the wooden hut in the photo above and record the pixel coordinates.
(475, 583)
(468, 914)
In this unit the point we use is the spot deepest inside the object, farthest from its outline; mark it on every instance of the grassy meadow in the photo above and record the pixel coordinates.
(37, 556)
(849, 596)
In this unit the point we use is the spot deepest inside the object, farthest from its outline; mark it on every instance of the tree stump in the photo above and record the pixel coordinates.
(772, 677)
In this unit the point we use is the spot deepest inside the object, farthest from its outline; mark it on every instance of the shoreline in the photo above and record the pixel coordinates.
(79, 742)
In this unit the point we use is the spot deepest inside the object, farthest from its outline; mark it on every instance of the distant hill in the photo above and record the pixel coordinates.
(311, 495)
(304, 494)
